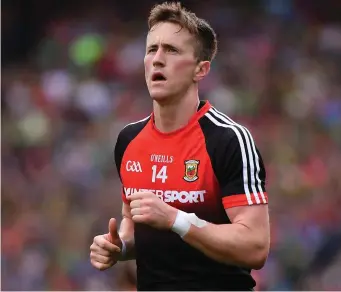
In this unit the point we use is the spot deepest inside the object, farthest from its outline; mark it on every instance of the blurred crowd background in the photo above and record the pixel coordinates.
(72, 77)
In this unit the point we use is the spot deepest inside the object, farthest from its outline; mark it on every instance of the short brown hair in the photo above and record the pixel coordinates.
(199, 28)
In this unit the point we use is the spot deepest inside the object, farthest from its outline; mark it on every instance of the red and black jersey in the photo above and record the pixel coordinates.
(207, 166)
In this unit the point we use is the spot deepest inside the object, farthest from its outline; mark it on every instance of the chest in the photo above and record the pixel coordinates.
(177, 171)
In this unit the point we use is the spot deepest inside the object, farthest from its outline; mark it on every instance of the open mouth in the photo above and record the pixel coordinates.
(158, 77)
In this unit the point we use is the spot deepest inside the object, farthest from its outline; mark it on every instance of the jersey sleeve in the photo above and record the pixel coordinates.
(240, 172)
(118, 153)
(125, 137)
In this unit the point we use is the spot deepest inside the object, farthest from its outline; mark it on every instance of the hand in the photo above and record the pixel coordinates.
(147, 208)
(106, 248)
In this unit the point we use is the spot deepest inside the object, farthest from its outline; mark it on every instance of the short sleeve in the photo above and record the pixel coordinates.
(240, 169)
(120, 147)
(126, 135)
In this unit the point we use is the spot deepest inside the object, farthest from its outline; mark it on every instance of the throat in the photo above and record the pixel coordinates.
(171, 118)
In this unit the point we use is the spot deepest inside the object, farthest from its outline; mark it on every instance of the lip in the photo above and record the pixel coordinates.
(158, 83)
(156, 74)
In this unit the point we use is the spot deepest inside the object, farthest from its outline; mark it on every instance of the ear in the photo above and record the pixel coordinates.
(202, 69)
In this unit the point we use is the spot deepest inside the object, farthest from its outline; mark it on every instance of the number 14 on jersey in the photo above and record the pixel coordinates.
(159, 174)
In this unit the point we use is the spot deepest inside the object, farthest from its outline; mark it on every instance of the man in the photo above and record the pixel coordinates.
(195, 213)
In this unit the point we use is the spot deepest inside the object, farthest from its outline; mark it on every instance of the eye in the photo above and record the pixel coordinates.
(151, 50)
(172, 50)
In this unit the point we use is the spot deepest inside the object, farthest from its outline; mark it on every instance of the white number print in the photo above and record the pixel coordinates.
(162, 174)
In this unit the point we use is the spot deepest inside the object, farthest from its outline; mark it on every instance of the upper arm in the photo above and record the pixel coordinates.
(239, 169)
(241, 175)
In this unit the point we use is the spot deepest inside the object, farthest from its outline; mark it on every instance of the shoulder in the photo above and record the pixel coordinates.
(129, 133)
(125, 137)
(221, 129)
(131, 130)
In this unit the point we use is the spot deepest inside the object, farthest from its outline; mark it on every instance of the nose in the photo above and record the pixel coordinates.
(159, 58)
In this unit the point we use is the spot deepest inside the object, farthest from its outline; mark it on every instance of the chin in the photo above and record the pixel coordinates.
(159, 95)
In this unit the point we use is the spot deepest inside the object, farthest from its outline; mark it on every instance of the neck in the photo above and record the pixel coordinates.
(172, 116)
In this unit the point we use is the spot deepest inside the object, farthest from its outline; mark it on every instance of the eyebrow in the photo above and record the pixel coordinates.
(163, 45)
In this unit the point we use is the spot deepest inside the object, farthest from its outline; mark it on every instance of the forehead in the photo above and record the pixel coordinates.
(169, 33)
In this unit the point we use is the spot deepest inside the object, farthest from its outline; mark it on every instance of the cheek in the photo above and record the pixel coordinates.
(147, 64)
(184, 67)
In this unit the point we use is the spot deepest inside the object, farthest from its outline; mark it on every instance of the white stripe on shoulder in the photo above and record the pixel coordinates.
(140, 121)
(253, 158)
(242, 147)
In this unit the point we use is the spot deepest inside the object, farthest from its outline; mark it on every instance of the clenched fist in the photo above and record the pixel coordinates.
(106, 249)
(147, 208)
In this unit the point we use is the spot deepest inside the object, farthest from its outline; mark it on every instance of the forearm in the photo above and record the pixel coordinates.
(230, 244)
(127, 235)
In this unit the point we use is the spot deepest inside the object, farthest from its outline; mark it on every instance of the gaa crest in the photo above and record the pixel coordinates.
(191, 170)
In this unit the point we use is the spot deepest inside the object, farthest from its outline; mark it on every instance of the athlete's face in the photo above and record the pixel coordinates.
(170, 63)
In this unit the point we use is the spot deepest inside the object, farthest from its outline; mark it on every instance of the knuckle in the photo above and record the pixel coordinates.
(97, 239)
(154, 200)
(94, 264)
(101, 244)
(148, 218)
(145, 203)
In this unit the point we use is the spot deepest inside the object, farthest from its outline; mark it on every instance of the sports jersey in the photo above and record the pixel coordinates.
(207, 166)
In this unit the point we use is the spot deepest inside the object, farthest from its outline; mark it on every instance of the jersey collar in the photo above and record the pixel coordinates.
(203, 108)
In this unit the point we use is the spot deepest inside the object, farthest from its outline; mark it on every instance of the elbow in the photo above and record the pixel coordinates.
(255, 262)
(260, 257)
(258, 263)
(259, 251)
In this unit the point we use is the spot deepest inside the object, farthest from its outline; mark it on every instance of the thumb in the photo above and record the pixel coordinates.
(113, 232)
